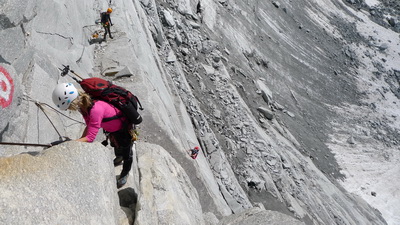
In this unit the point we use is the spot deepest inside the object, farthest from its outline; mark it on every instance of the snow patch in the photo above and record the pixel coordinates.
(372, 3)
(371, 163)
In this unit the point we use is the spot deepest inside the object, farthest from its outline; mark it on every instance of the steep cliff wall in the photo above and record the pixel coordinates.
(252, 83)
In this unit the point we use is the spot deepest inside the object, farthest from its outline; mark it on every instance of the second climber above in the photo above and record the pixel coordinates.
(106, 22)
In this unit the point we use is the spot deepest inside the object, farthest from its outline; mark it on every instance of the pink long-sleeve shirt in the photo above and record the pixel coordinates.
(99, 111)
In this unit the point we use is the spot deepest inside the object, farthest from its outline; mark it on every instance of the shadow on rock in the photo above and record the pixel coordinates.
(95, 40)
(127, 201)
(32, 153)
(127, 197)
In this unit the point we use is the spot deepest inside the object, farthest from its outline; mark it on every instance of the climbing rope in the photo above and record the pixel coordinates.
(49, 106)
(51, 122)
(40, 106)
(25, 144)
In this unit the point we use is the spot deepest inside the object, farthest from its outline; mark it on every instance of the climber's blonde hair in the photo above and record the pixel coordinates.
(82, 103)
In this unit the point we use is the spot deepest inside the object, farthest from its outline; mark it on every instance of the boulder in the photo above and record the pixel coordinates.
(71, 183)
(125, 72)
(169, 19)
(112, 71)
(208, 46)
(351, 140)
(266, 112)
(209, 70)
(383, 47)
(276, 4)
(171, 57)
(166, 195)
(266, 93)
(392, 22)
(259, 216)
(193, 24)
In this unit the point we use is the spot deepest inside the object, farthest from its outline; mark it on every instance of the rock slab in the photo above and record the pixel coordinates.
(72, 183)
(259, 216)
(166, 195)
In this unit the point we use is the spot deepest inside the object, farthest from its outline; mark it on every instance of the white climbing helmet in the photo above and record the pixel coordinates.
(64, 94)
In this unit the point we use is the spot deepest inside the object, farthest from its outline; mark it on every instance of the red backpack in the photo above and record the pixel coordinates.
(119, 97)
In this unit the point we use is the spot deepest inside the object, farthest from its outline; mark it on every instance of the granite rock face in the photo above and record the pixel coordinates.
(72, 183)
(259, 216)
(166, 193)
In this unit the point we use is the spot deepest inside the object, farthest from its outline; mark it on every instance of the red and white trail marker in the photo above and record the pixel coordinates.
(6, 88)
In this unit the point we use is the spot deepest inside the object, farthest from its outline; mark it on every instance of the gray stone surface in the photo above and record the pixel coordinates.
(266, 93)
(166, 194)
(169, 19)
(125, 72)
(266, 112)
(72, 183)
(259, 216)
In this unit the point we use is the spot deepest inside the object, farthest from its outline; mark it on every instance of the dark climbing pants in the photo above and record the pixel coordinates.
(122, 142)
(107, 30)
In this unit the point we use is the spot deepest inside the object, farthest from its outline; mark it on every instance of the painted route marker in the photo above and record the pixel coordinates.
(6, 88)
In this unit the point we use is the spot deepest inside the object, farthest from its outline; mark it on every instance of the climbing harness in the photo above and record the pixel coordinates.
(133, 132)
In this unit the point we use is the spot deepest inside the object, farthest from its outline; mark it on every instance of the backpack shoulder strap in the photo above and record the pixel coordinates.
(140, 104)
(112, 118)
